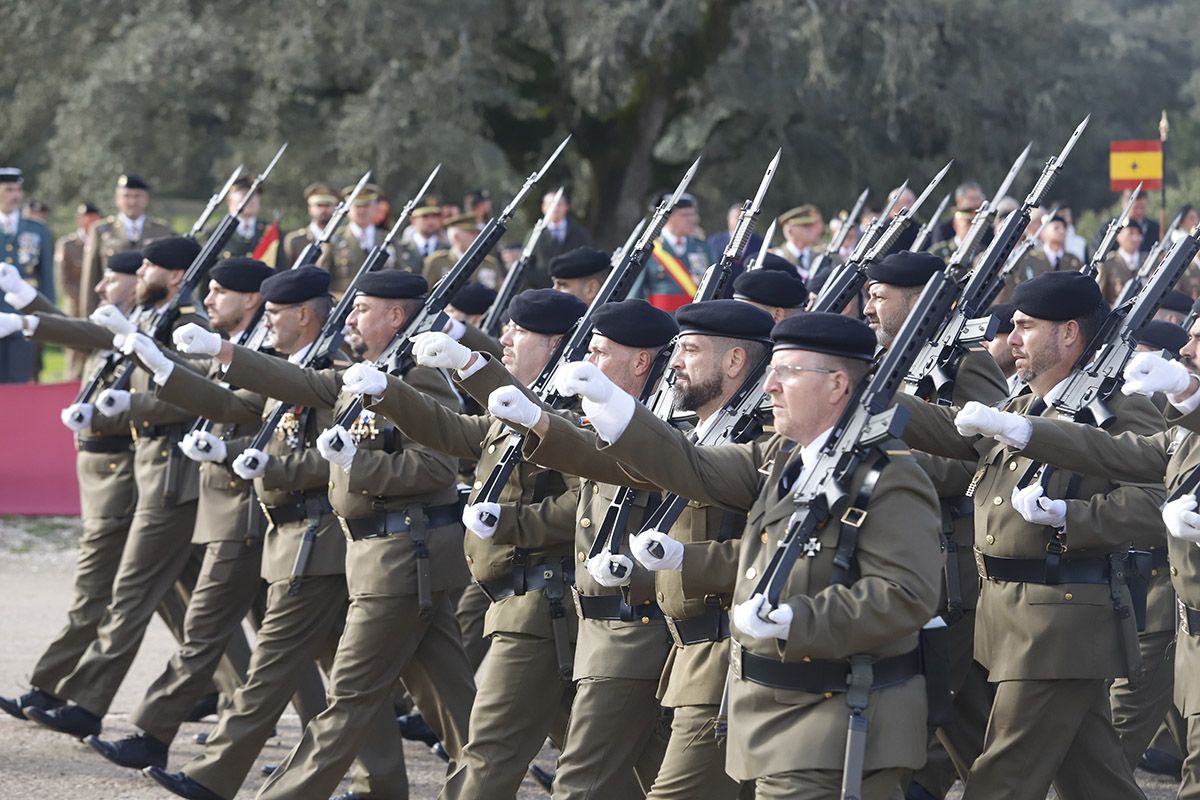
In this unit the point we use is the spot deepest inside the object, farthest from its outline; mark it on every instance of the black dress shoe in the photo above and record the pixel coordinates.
(34, 698)
(414, 728)
(205, 707)
(439, 750)
(67, 718)
(1160, 763)
(545, 778)
(180, 784)
(136, 752)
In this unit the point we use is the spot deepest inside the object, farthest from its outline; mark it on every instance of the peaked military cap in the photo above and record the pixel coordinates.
(321, 193)
(635, 323)
(125, 262)
(296, 285)
(1162, 335)
(1003, 312)
(1176, 300)
(172, 252)
(771, 288)
(131, 181)
(686, 200)
(392, 284)
(905, 268)
(579, 263)
(10, 175)
(731, 318)
(240, 274)
(546, 310)
(463, 221)
(368, 193)
(474, 298)
(1058, 296)
(825, 332)
(805, 214)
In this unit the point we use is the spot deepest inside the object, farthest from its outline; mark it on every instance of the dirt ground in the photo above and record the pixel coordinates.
(36, 565)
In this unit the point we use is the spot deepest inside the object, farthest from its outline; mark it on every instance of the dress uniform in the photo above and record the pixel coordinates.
(68, 267)
(490, 273)
(1039, 262)
(27, 245)
(675, 266)
(802, 259)
(112, 235)
(558, 239)
(1052, 624)
(399, 508)
(249, 231)
(348, 248)
(321, 199)
(525, 566)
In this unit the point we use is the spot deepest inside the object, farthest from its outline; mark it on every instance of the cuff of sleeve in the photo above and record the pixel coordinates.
(1189, 405)
(162, 375)
(29, 325)
(611, 419)
(471, 369)
(21, 297)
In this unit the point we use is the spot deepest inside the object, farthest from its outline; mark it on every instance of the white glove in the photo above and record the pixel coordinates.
(511, 405)
(435, 349)
(335, 446)
(1147, 373)
(109, 316)
(978, 419)
(112, 402)
(144, 348)
(455, 328)
(77, 416)
(746, 619)
(9, 324)
(241, 464)
(362, 378)
(196, 340)
(1037, 509)
(474, 515)
(607, 407)
(672, 551)
(201, 446)
(1182, 520)
(608, 570)
(17, 293)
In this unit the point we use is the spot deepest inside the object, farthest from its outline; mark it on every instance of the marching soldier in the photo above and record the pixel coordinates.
(780, 293)
(678, 260)
(25, 245)
(321, 199)
(580, 272)
(791, 666)
(470, 303)
(462, 231)
(129, 229)
(960, 223)
(250, 227)
(1050, 257)
(348, 249)
(398, 506)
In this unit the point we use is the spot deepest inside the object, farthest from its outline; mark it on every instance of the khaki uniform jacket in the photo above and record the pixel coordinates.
(410, 474)
(68, 268)
(1113, 274)
(1035, 263)
(489, 273)
(294, 242)
(238, 245)
(537, 519)
(1031, 631)
(105, 238)
(343, 255)
(878, 614)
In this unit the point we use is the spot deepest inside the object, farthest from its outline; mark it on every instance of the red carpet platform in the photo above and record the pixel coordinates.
(37, 454)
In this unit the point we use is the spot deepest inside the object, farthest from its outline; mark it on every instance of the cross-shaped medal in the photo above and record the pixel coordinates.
(811, 547)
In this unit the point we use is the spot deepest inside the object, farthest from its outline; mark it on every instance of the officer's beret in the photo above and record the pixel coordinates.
(474, 298)
(805, 214)
(825, 332)
(172, 252)
(1058, 296)
(546, 310)
(321, 193)
(466, 222)
(635, 323)
(240, 274)
(1003, 312)
(295, 285)
(368, 193)
(579, 263)
(86, 208)
(126, 261)
(778, 263)
(1178, 301)
(1162, 335)
(131, 181)
(392, 284)
(731, 318)
(10, 175)
(771, 288)
(905, 268)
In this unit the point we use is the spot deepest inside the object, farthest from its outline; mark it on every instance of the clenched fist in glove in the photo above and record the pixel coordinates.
(201, 446)
(440, 351)
(747, 617)
(112, 402)
(17, 293)
(1147, 373)
(335, 446)
(1181, 518)
(607, 407)
(251, 464)
(77, 416)
(147, 351)
(109, 316)
(511, 405)
(195, 340)
(1006, 428)
(609, 570)
(362, 378)
(481, 519)
(656, 550)
(1037, 509)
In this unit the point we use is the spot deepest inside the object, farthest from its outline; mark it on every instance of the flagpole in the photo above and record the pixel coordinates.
(1163, 128)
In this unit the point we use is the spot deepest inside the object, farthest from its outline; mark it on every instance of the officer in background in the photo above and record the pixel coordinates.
(462, 232)
(250, 227)
(320, 199)
(27, 246)
(349, 247)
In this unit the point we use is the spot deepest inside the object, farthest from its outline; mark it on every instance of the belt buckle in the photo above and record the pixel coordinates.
(345, 527)
(854, 517)
(675, 635)
(735, 658)
(980, 565)
(1183, 616)
(267, 513)
(578, 603)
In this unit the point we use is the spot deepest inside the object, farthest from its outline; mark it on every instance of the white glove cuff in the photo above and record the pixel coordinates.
(1017, 435)
(29, 325)
(610, 419)
(1190, 404)
(163, 373)
(21, 296)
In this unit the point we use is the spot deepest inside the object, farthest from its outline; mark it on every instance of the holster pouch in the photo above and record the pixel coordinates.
(934, 644)
(1118, 581)
(418, 533)
(858, 695)
(315, 508)
(556, 591)
(1141, 568)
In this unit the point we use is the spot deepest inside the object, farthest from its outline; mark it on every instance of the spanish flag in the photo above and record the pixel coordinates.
(1135, 161)
(267, 250)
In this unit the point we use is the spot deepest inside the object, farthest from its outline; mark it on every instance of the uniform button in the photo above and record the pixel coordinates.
(582, 556)
(1174, 571)
(1154, 572)
(1068, 596)
(470, 560)
(145, 424)
(997, 501)
(585, 523)
(661, 597)
(751, 574)
(990, 539)
(112, 465)
(478, 484)
(806, 659)
(364, 491)
(491, 448)
(763, 537)
(645, 620)
(233, 484)
(1012, 466)
(829, 695)
(162, 453)
(331, 484)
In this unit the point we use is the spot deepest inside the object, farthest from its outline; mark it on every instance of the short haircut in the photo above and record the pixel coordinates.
(321, 305)
(856, 369)
(966, 186)
(1090, 325)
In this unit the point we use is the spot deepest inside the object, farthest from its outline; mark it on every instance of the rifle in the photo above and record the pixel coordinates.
(989, 209)
(493, 320)
(756, 262)
(573, 346)
(312, 251)
(1014, 258)
(926, 230)
(432, 316)
(835, 243)
(1110, 236)
(937, 365)
(840, 289)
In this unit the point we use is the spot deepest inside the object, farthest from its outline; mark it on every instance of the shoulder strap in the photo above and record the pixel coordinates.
(844, 564)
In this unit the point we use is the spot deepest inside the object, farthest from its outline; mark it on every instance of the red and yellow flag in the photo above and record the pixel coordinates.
(267, 250)
(1135, 161)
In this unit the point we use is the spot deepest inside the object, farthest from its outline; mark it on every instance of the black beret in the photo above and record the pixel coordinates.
(1003, 313)
(579, 263)
(1162, 335)
(240, 274)
(771, 288)
(1176, 300)
(1058, 296)
(635, 323)
(474, 298)
(295, 285)
(172, 252)
(1195, 308)
(126, 262)
(905, 268)
(86, 208)
(825, 332)
(392, 284)
(546, 310)
(778, 263)
(131, 181)
(731, 318)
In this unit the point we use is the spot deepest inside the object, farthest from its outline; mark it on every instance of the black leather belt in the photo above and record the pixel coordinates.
(388, 523)
(285, 513)
(958, 507)
(614, 607)
(173, 431)
(711, 626)
(536, 577)
(1189, 618)
(105, 444)
(820, 676)
(1033, 570)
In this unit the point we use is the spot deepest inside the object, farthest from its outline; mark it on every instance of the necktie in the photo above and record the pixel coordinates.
(790, 473)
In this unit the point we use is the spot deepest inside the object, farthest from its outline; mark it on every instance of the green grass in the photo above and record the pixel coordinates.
(54, 365)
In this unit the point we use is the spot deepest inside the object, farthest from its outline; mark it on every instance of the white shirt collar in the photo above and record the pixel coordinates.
(246, 227)
(132, 226)
(315, 229)
(1056, 391)
(813, 449)
(360, 233)
(12, 219)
